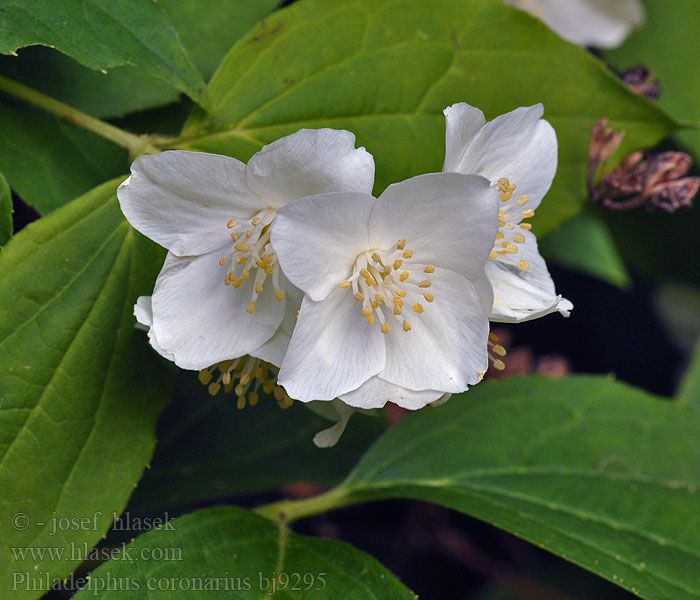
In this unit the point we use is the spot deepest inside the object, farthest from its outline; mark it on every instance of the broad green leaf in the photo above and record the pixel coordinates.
(689, 392)
(595, 471)
(584, 243)
(80, 391)
(49, 162)
(5, 211)
(386, 69)
(229, 546)
(208, 449)
(207, 28)
(669, 45)
(102, 34)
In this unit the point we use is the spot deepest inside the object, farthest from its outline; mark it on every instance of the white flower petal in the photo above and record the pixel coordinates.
(376, 392)
(143, 312)
(333, 349)
(201, 321)
(601, 23)
(523, 295)
(333, 410)
(449, 220)
(519, 146)
(309, 162)
(274, 349)
(445, 349)
(183, 200)
(317, 239)
(462, 123)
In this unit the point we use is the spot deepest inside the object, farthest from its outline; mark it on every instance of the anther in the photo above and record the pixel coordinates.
(231, 224)
(241, 246)
(245, 274)
(401, 244)
(499, 364)
(234, 235)
(385, 327)
(526, 226)
(223, 261)
(397, 264)
(214, 389)
(251, 308)
(240, 403)
(345, 284)
(425, 283)
(498, 349)
(397, 309)
(404, 276)
(279, 294)
(429, 297)
(204, 377)
(523, 265)
(418, 307)
(522, 200)
(407, 253)
(493, 337)
(401, 293)
(248, 234)
(376, 258)
(519, 238)
(226, 378)
(429, 269)
(258, 287)
(366, 311)
(493, 254)
(253, 398)
(406, 326)
(359, 296)
(370, 318)
(241, 260)
(499, 235)
(528, 213)
(256, 221)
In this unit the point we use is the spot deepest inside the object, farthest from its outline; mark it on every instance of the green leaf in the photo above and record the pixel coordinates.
(689, 392)
(5, 211)
(102, 34)
(208, 449)
(81, 390)
(595, 471)
(207, 28)
(669, 45)
(49, 162)
(584, 243)
(386, 69)
(229, 546)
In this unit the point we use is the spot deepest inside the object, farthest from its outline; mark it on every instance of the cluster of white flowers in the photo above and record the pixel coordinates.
(289, 267)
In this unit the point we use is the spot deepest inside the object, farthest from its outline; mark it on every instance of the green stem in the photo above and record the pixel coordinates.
(286, 511)
(135, 144)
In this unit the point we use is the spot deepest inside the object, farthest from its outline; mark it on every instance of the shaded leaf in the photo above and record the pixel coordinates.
(102, 34)
(386, 69)
(207, 29)
(584, 243)
(80, 391)
(689, 392)
(49, 162)
(669, 45)
(5, 211)
(232, 547)
(595, 471)
(208, 449)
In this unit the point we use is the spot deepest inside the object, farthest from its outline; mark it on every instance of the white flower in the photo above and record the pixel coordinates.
(395, 305)
(517, 152)
(601, 23)
(221, 294)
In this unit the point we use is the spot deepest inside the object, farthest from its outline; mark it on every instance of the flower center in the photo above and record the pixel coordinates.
(390, 281)
(509, 220)
(252, 252)
(245, 376)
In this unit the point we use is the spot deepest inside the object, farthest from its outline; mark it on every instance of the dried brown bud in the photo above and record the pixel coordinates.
(642, 81)
(654, 182)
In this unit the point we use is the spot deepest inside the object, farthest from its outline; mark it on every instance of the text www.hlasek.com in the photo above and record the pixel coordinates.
(83, 552)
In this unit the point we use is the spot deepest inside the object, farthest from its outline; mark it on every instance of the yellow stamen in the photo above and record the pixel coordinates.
(522, 200)
(251, 308)
(519, 238)
(401, 244)
(407, 253)
(499, 364)
(425, 283)
(418, 307)
(223, 261)
(385, 328)
(500, 350)
(231, 224)
(279, 294)
(359, 296)
(429, 269)
(401, 293)
(205, 377)
(256, 221)
(259, 287)
(404, 276)
(523, 265)
(345, 284)
(528, 213)
(397, 264)
(241, 246)
(406, 326)
(429, 297)
(526, 226)
(214, 389)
